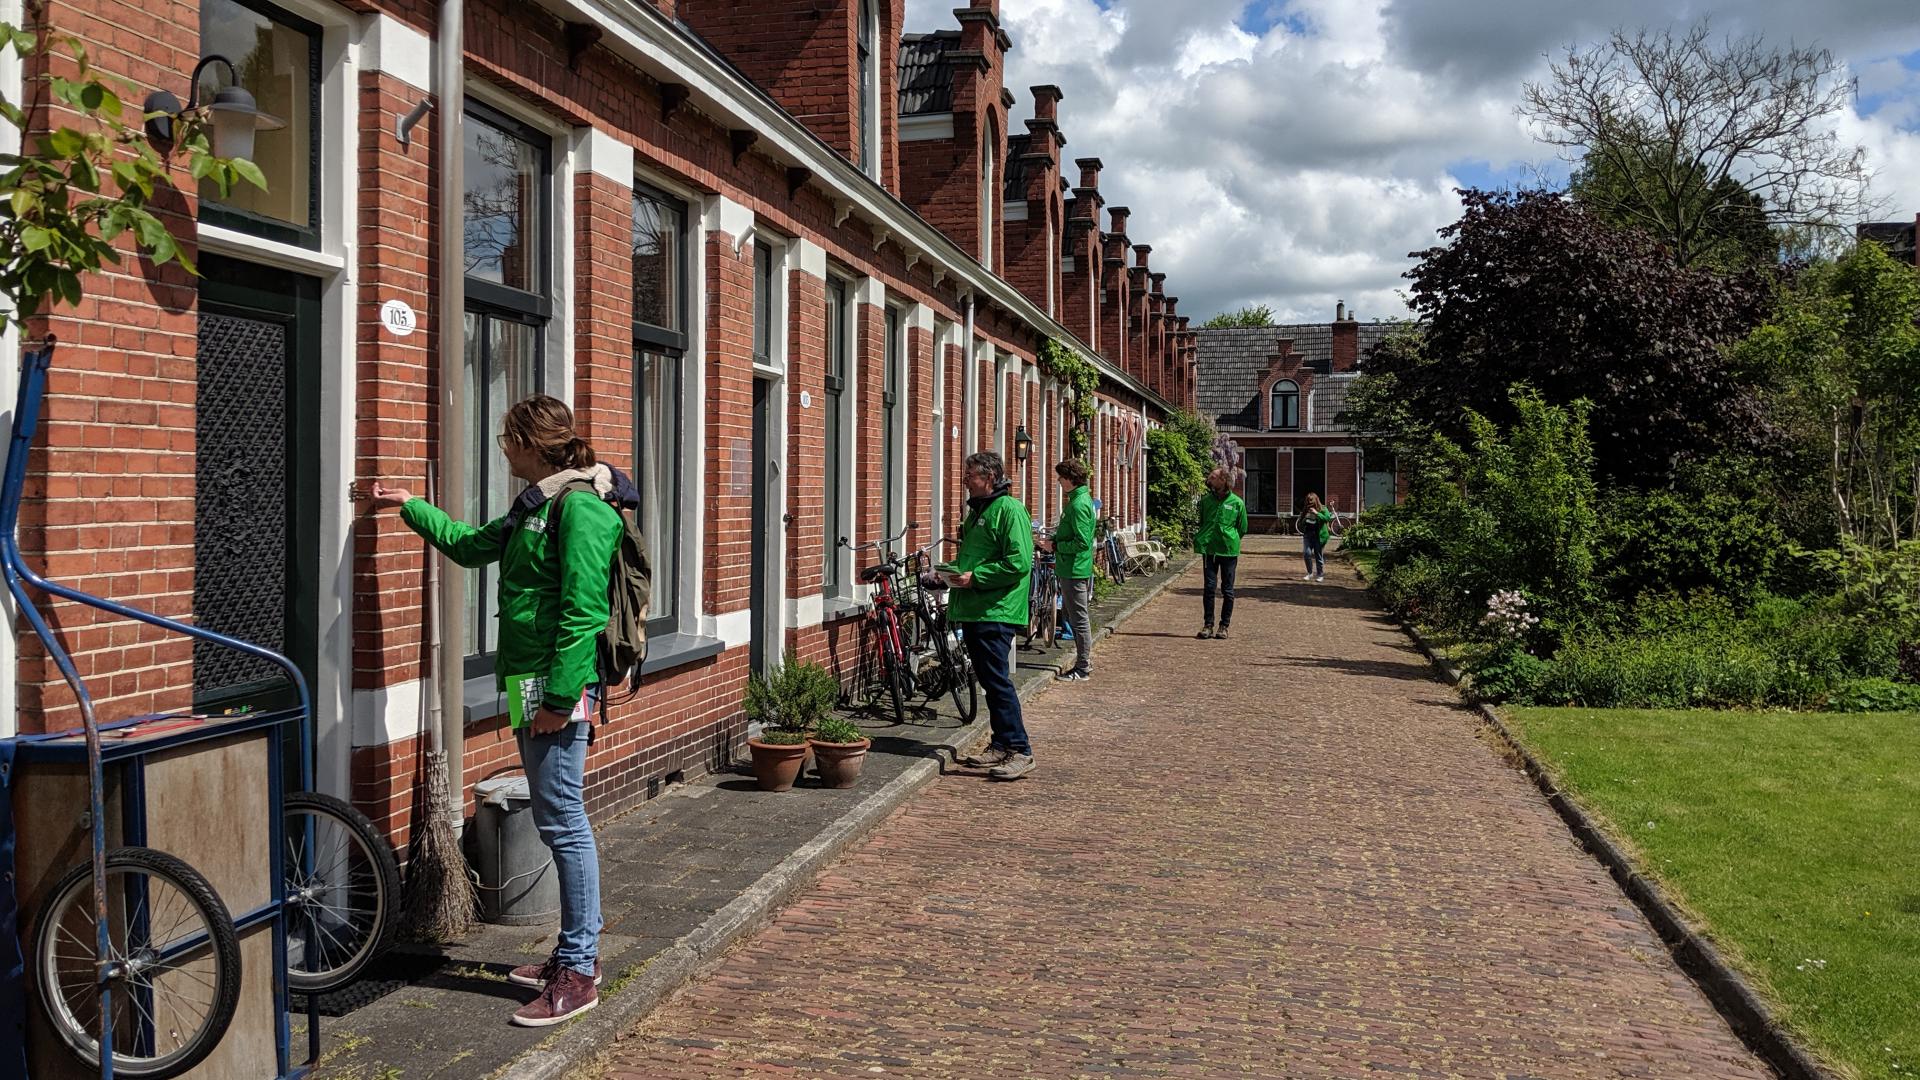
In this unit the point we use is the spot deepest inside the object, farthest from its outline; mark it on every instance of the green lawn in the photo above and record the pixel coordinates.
(1794, 838)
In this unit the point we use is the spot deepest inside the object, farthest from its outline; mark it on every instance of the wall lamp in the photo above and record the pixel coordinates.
(236, 116)
(1022, 444)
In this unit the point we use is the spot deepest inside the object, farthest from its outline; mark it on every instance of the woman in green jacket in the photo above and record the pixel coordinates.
(1316, 528)
(552, 608)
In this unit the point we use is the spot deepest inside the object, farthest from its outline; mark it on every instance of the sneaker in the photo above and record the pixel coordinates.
(1320, 577)
(1076, 675)
(567, 996)
(1309, 577)
(1220, 634)
(537, 976)
(1205, 633)
(991, 758)
(1017, 766)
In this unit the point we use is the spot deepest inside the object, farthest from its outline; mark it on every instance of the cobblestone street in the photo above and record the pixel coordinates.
(1288, 854)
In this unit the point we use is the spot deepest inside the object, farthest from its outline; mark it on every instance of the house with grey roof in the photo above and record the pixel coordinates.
(1280, 392)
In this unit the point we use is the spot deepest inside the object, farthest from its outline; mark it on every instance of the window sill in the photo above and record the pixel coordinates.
(664, 652)
(840, 607)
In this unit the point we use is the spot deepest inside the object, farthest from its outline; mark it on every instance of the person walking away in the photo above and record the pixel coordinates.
(1223, 521)
(1316, 527)
(992, 584)
(1072, 545)
(553, 604)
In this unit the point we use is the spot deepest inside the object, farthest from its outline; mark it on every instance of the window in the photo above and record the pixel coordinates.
(866, 119)
(889, 414)
(1379, 479)
(839, 354)
(659, 353)
(505, 205)
(1284, 414)
(1309, 477)
(763, 304)
(1262, 481)
(277, 57)
(989, 193)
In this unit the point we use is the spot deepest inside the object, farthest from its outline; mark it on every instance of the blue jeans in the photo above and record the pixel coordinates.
(556, 772)
(1222, 567)
(990, 647)
(1315, 551)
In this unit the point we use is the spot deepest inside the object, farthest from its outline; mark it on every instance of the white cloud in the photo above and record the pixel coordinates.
(1299, 166)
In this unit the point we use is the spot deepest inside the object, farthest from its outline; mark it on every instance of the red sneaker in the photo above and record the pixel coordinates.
(537, 976)
(567, 996)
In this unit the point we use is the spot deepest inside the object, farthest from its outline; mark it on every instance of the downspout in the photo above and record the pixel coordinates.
(449, 71)
(971, 392)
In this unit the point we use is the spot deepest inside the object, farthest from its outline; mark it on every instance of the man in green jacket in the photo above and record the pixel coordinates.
(1072, 546)
(1223, 521)
(992, 581)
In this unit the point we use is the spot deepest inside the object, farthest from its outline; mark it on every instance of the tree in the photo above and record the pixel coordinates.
(1251, 315)
(1842, 359)
(1530, 288)
(81, 189)
(1685, 129)
(1734, 231)
(1178, 457)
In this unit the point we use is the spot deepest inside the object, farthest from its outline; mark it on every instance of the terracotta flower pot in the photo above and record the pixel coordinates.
(775, 766)
(839, 764)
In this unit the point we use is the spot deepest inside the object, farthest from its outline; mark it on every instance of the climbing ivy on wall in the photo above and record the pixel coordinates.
(1082, 379)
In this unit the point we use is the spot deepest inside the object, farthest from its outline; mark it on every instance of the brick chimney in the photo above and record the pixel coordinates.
(806, 55)
(941, 152)
(1083, 286)
(1034, 243)
(1346, 340)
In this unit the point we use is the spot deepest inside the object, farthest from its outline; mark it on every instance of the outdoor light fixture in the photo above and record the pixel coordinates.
(236, 117)
(1022, 444)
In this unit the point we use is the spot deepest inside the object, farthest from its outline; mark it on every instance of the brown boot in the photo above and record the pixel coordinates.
(567, 996)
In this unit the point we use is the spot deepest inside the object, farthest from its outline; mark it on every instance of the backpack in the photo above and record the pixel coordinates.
(623, 644)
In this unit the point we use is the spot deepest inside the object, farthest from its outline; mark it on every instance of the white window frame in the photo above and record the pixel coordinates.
(873, 152)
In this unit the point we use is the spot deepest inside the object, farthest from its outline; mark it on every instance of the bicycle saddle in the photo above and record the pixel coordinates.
(875, 573)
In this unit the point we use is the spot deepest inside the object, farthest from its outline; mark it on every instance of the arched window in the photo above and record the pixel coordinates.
(866, 120)
(1285, 413)
(989, 192)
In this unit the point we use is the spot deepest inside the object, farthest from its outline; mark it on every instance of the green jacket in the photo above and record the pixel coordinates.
(1223, 521)
(1073, 537)
(551, 615)
(1324, 516)
(996, 546)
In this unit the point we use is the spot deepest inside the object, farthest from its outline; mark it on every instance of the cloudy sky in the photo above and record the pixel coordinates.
(1291, 152)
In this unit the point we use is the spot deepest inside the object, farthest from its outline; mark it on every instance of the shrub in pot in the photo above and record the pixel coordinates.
(839, 751)
(788, 704)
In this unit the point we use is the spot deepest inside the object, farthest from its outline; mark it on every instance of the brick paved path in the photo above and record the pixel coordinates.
(1284, 855)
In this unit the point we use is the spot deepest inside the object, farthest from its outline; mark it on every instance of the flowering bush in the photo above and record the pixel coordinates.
(1507, 618)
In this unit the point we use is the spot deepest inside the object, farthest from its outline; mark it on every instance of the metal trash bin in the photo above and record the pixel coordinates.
(518, 883)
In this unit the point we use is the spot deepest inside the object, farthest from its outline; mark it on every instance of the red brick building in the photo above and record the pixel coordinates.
(788, 268)
(1279, 391)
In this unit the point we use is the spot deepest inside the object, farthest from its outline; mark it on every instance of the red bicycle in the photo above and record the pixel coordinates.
(892, 665)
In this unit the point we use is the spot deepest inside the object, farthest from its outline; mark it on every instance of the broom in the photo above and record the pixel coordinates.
(440, 899)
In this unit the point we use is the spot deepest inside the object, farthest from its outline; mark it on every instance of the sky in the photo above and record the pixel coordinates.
(1293, 152)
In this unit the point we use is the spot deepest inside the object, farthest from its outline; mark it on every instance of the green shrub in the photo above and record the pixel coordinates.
(1873, 695)
(1676, 672)
(1508, 673)
(838, 729)
(1666, 542)
(796, 697)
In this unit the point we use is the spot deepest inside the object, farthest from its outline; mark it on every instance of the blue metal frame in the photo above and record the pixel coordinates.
(34, 366)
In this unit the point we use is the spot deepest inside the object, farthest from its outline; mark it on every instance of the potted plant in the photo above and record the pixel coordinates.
(788, 705)
(840, 751)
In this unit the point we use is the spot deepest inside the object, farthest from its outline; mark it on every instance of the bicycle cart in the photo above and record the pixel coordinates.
(142, 962)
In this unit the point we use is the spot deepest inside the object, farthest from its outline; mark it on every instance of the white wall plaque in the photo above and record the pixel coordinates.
(806, 400)
(397, 317)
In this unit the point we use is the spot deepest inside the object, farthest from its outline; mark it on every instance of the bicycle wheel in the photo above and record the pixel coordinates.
(897, 675)
(174, 958)
(1049, 621)
(950, 674)
(343, 890)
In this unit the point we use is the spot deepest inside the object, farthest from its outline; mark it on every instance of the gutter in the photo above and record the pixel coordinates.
(669, 51)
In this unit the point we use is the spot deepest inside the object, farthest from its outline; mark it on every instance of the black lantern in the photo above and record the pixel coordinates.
(1022, 444)
(235, 115)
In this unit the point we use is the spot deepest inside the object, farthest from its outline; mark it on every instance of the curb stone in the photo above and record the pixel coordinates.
(1749, 1015)
(634, 994)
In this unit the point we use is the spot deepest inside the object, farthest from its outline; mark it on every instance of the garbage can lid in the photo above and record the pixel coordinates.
(498, 790)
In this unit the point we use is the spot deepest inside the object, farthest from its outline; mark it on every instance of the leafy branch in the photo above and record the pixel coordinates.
(1082, 380)
(82, 188)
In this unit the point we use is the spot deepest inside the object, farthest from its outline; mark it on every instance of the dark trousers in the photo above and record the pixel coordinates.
(990, 647)
(1221, 567)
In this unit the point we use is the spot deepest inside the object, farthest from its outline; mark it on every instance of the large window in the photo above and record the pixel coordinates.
(839, 361)
(989, 192)
(1284, 412)
(506, 204)
(763, 304)
(1262, 481)
(659, 354)
(277, 57)
(890, 500)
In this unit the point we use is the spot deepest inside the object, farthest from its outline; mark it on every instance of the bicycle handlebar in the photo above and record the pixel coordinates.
(882, 544)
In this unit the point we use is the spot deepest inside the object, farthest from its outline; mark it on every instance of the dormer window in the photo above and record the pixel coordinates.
(868, 118)
(1284, 414)
(989, 192)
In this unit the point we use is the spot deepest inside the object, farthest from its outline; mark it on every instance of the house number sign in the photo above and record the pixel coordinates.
(398, 318)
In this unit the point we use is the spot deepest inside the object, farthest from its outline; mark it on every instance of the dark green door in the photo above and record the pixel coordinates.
(256, 479)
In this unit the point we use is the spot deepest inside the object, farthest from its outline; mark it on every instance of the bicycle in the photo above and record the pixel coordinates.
(934, 650)
(891, 666)
(1043, 602)
(1109, 548)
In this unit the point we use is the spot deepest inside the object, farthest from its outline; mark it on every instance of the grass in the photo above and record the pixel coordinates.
(1792, 838)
